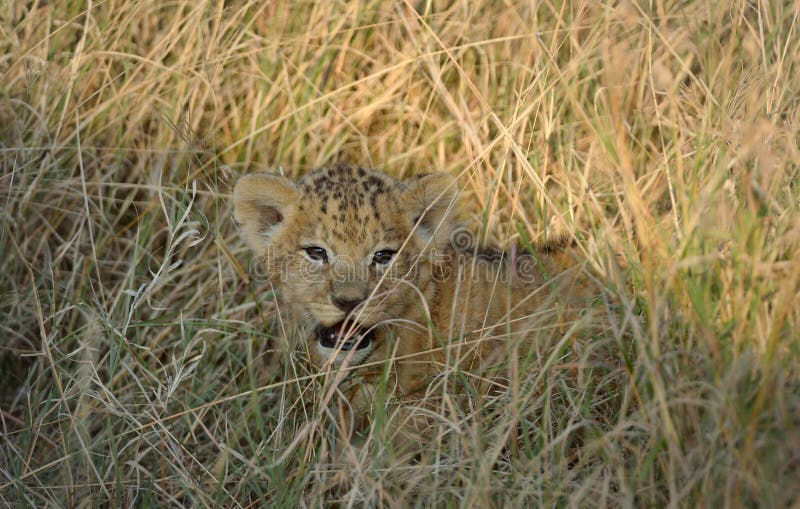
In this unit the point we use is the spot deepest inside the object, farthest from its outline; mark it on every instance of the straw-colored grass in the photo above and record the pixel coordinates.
(140, 362)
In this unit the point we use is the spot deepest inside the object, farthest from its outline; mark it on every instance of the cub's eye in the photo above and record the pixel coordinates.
(383, 257)
(316, 253)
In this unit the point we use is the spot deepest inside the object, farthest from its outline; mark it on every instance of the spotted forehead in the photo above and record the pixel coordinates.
(350, 204)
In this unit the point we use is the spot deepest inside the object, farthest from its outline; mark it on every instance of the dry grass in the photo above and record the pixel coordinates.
(138, 359)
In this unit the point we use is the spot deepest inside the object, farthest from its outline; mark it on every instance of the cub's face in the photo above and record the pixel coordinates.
(350, 249)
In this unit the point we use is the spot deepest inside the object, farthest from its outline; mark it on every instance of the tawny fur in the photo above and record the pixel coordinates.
(436, 306)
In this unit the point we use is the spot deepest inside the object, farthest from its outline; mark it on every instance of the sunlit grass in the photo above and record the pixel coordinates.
(142, 364)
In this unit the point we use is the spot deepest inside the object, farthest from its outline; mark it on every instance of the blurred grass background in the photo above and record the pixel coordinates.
(138, 360)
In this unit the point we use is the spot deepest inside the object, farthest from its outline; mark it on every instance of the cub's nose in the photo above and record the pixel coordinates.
(348, 294)
(346, 304)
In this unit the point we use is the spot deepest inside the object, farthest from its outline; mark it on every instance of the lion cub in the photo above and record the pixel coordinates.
(374, 273)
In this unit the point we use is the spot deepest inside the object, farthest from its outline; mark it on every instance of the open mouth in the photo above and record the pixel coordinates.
(344, 336)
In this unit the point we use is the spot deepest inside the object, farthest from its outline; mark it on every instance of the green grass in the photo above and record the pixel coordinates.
(141, 365)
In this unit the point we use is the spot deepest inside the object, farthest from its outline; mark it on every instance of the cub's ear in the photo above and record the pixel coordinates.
(430, 201)
(261, 205)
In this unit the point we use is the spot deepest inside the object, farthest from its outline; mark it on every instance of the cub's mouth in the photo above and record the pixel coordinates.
(345, 336)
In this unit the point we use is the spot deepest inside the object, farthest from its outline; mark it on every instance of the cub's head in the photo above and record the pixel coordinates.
(350, 248)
